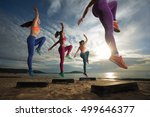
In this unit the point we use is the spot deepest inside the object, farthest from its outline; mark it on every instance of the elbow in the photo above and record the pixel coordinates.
(87, 9)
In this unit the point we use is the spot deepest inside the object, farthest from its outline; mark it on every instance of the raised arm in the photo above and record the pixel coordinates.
(85, 38)
(53, 46)
(86, 11)
(36, 18)
(76, 52)
(62, 27)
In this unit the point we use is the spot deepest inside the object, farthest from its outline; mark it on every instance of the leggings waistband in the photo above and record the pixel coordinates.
(31, 36)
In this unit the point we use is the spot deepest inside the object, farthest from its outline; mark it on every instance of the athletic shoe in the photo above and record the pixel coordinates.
(38, 51)
(61, 74)
(31, 73)
(85, 74)
(88, 61)
(116, 26)
(68, 57)
(119, 61)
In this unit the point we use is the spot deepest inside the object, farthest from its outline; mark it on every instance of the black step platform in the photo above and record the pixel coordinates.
(87, 79)
(114, 87)
(62, 81)
(31, 84)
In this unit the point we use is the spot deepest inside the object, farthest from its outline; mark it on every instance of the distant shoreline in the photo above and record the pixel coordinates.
(15, 71)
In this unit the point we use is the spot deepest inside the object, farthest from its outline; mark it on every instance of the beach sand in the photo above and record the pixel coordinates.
(80, 90)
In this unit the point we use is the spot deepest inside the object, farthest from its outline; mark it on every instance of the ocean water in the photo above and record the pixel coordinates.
(138, 69)
(126, 75)
(110, 75)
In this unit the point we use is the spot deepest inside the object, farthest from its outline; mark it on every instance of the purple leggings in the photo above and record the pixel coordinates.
(62, 51)
(107, 13)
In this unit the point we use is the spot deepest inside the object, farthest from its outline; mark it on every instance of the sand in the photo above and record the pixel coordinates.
(80, 90)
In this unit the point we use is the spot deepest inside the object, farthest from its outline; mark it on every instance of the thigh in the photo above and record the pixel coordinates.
(82, 55)
(106, 18)
(87, 53)
(30, 42)
(112, 4)
(37, 41)
(67, 48)
(61, 52)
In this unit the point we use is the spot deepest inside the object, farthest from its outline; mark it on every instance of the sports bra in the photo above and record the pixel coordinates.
(35, 28)
(64, 39)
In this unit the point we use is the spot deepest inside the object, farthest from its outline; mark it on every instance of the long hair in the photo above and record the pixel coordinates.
(57, 34)
(82, 41)
(27, 24)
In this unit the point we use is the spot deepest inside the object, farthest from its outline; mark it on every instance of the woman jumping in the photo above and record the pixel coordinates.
(84, 53)
(62, 49)
(32, 41)
(106, 12)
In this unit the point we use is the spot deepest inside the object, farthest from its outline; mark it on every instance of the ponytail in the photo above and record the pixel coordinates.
(57, 34)
(27, 24)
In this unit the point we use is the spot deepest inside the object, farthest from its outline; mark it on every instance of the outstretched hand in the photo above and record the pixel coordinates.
(84, 35)
(35, 9)
(80, 20)
(61, 24)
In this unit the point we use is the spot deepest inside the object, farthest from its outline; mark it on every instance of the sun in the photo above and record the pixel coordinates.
(102, 52)
(110, 75)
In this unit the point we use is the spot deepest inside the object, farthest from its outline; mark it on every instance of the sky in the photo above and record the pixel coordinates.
(133, 41)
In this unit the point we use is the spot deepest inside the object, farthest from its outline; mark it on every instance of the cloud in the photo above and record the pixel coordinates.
(55, 5)
(133, 41)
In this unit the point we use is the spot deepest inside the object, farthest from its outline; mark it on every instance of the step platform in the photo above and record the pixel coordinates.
(31, 84)
(62, 81)
(87, 79)
(114, 87)
(10, 76)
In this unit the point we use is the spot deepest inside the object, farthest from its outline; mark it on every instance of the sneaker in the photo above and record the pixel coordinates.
(85, 74)
(61, 74)
(31, 73)
(116, 26)
(38, 51)
(119, 61)
(88, 61)
(68, 57)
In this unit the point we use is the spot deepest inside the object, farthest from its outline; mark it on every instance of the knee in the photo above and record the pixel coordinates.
(62, 61)
(84, 63)
(30, 57)
(115, 2)
(30, 53)
(70, 46)
(44, 38)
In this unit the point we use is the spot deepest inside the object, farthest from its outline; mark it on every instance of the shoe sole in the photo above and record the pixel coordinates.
(116, 30)
(118, 64)
(85, 75)
(61, 75)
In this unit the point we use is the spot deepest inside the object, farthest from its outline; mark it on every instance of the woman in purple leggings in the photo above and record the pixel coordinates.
(62, 49)
(106, 12)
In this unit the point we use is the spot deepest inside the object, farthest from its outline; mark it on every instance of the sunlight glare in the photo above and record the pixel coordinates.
(111, 75)
(103, 52)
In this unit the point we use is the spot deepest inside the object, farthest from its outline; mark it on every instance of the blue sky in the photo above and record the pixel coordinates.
(132, 42)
